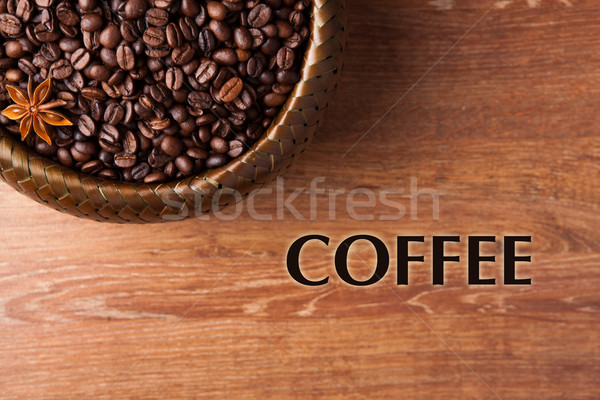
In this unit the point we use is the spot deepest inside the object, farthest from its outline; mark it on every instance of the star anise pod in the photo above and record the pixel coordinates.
(31, 108)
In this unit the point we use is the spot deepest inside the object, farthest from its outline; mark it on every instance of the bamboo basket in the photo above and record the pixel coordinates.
(76, 193)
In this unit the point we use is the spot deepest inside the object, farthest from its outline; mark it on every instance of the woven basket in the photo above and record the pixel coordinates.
(85, 196)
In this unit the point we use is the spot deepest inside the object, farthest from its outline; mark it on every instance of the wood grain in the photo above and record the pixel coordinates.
(504, 127)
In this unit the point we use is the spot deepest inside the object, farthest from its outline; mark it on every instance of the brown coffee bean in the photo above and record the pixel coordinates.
(285, 58)
(219, 145)
(69, 45)
(157, 17)
(287, 77)
(184, 164)
(220, 29)
(156, 177)
(174, 36)
(140, 171)
(125, 160)
(174, 78)
(135, 9)
(154, 37)
(217, 10)
(93, 93)
(259, 16)
(172, 146)
(206, 71)
(236, 148)
(225, 57)
(61, 69)
(129, 31)
(91, 22)
(14, 49)
(231, 90)
(92, 167)
(216, 160)
(99, 73)
(86, 125)
(64, 156)
(110, 37)
(66, 15)
(85, 148)
(125, 57)
(27, 66)
(182, 55)
(10, 25)
(190, 8)
(242, 38)
(80, 59)
(114, 114)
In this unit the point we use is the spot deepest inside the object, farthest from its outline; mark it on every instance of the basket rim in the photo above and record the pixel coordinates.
(68, 190)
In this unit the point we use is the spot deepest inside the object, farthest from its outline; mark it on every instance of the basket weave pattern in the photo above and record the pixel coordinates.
(85, 196)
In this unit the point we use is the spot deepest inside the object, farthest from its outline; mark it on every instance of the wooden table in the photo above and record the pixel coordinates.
(500, 118)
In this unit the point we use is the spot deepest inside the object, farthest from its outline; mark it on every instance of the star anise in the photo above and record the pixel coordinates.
(33, 110)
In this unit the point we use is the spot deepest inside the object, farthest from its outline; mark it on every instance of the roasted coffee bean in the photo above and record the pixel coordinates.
(91, 22)
(154, 37)
(285, 58)
(135, 9)
(14, 49)
(216, 10)
(99, 73)
(69, 45)
(225, 57)
(231, 90)
(80, 59)
(172, 146)
(85, 148)
(125, 160)
(206, 71)
(173, 35)
(220, 29)
(207, 41)
(64, 156)
(184, 164)
(199, 100)
(182, 55)
(110, 147)
(174, 78)
(66, 15)
(27, 66)
(188, 28)
(86, 125)
(129, 31)
(114, 114)
(287, 77)
(216, 160)
(10, 25)
(61, 69)
(242, 38)
(92, 167)
(91, 40)
(110, 37)
(259, 16)
(156, 177)
(125, 57)
(219, 145)
(157, 17)
(93, 93)
(140, 171)
(236, 148)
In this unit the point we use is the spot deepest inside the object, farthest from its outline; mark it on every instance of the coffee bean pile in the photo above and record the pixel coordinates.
(156, 89)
